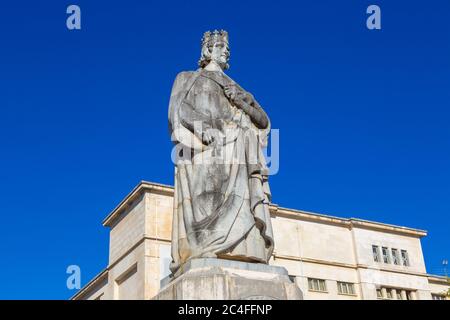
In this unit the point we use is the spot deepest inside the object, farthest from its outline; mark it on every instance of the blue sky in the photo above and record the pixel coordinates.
(363, 117)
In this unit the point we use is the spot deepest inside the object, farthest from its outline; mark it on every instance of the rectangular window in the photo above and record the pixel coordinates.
(409, 295)
(386, 256)
(346, 288)
(379, 295)
(388, 293)
(395, 257)
(317, 285)
(405, 258)
(376, 253)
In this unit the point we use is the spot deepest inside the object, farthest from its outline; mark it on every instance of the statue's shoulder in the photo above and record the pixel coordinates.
(184, 76)
(184, 81)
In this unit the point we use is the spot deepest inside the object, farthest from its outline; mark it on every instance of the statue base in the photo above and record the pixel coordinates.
(219, 279)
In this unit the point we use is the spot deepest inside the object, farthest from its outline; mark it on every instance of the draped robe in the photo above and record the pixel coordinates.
(222, 196)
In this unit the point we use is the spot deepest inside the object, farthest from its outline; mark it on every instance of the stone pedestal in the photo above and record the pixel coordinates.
(218, 279)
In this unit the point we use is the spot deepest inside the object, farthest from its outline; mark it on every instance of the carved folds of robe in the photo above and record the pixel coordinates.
(221, 200)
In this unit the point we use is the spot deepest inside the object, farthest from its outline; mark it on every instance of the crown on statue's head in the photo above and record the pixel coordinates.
(210, 38)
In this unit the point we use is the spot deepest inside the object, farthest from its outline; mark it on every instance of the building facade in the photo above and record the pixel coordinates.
(329, 257)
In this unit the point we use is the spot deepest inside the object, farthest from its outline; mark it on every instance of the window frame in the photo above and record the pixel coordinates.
(389, 293)
(386, 256)
(438, 296)
(405, 258)
(409, 295)
(379, 293)
(347, 285)
(376, 253)
(319, 283)
(395, 257)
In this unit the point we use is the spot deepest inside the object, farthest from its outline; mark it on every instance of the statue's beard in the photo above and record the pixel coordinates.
(223, 65)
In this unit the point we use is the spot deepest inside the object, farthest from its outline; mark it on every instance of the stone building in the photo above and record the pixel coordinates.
(329, 257)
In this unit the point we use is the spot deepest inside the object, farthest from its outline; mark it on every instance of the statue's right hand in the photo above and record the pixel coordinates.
(207, 137)
(212, 135)
(231, 91)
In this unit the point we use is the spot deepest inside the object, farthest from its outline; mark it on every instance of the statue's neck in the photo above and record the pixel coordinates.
(213, 66)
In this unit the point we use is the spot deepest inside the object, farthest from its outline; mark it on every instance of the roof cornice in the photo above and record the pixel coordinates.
(133, 195)
(145, 186)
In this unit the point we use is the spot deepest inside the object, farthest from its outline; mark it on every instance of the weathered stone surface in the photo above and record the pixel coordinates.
(222, 195)
(218, 279)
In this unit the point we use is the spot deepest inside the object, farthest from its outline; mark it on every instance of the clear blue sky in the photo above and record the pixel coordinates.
(363, 116)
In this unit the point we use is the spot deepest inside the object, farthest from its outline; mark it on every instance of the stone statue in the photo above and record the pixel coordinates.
(222, 196)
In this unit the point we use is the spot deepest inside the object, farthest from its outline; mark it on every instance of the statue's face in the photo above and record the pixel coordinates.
(220, 53)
